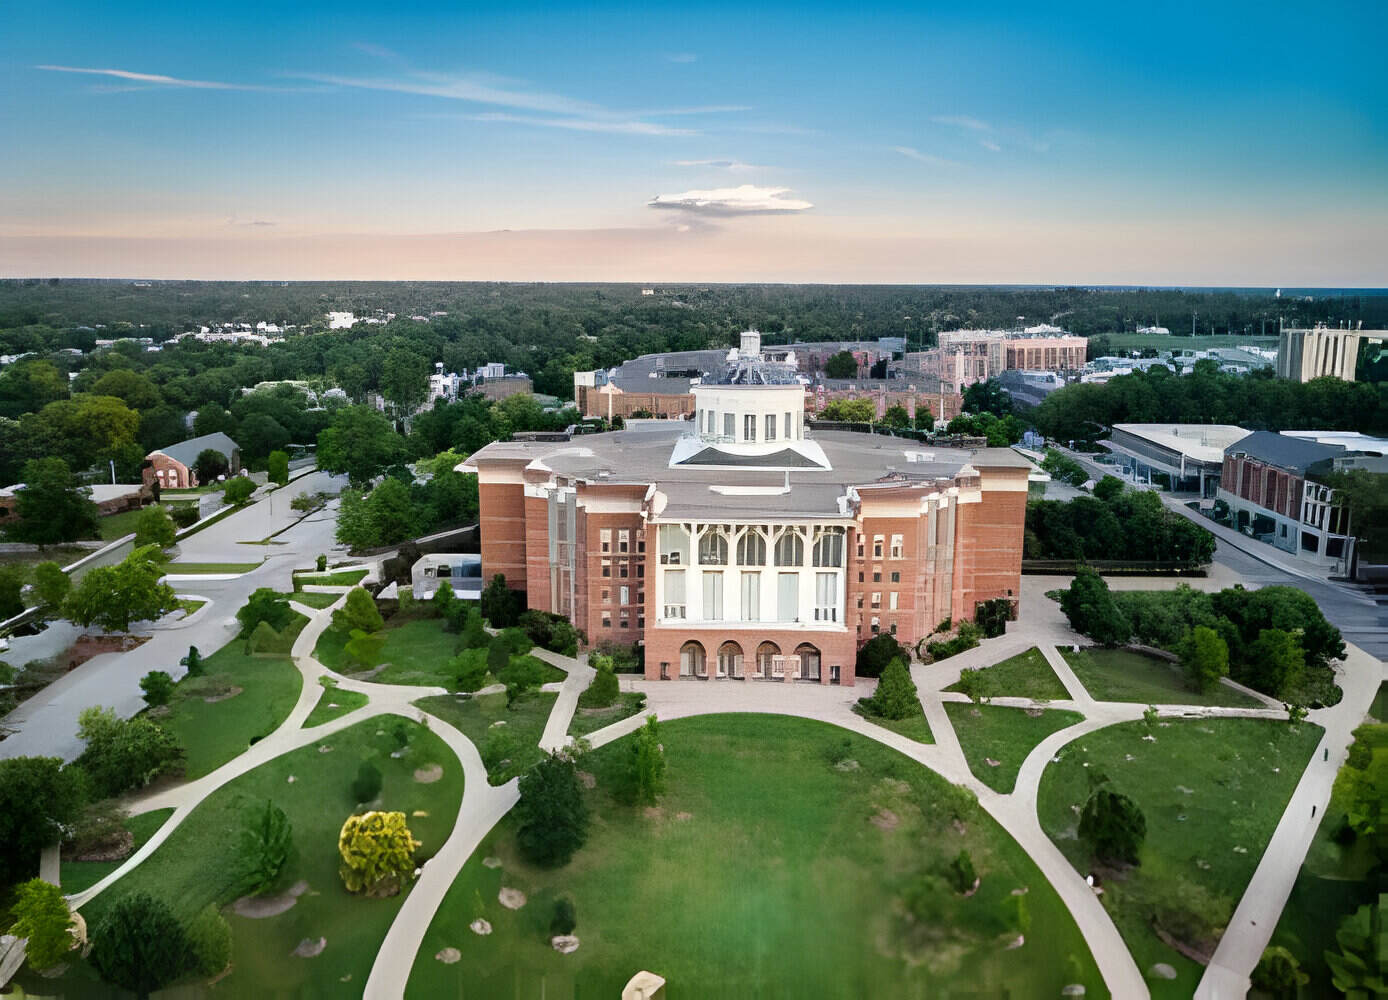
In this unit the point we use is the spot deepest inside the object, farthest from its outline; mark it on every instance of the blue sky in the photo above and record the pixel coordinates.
(1201, 143)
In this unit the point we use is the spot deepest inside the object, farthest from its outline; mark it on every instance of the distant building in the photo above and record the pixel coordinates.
(110, 498)
(1306, 354)
(966, 357)
(1156, 331)
(463, 571)
(1189, 456)
(172, 467)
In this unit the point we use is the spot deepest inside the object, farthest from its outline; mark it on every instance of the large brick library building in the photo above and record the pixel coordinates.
(737, 547)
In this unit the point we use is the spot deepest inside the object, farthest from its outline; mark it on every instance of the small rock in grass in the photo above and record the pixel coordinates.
(565, 944)
(1181, 818)
(991, 762)
(290, 780)
(512, 899)
(309, 948)
(333, 704)
(380, 732)
(846, 765)
(1184, 790)
(449, 955)
(397, 754)
(1202, 864)
(1073, 990)
(1149, 738)
(491, 862)
(325, 749)
(480, 927)
(1129, 757)
(1020, 892)
(1240, 849)
(1016, 942)
(420, 813)
(684, 816)
(498, 722)
(1162, 971)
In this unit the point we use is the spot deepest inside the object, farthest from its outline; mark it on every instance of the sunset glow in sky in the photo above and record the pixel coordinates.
(1208, 144)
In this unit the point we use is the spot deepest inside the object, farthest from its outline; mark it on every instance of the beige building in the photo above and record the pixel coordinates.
(1306, 354)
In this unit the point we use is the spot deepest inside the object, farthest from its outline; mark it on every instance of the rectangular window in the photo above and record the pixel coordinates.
(674, 593)
(713, 596)
(897, 547)
(607, 619)
(789, 432)
(607, 567)
(826, 597)
(749, 427)
(626, 595)
(751, 597)
(640, 540)
(891, 601)
(640, 570)
(674, 545)
(771, 427)
(877, 546)
(606, 535)
(876, 600)
(877, 575)
(896, 576)
(623, 540)
(787, 596)
(641, 597)
(606, 596)
(876, 626)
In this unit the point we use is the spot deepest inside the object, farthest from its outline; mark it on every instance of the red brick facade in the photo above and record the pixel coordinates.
(1264, 485)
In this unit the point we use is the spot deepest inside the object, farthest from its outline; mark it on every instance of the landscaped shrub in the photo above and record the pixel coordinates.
(966, 638)
(278, 466)
(552, 817)
(1091, 610)
(158, 688)
(41, 914)
(209, 941)
(974, 684)
(625, 659)
(238, 490)
(266, 641)
(516, 640)
(500, 605)
(51, 585)
(264, 847)
(470, 627)
(522, 675)
(154, 526)
(377, 853)
(1205, 657)
(193, 661)
(646, 768)
(962, 874)
(1279, 974)
(365, 647)
(1113, 826)
(184, 516)
(367, 784)
(321, 563)
(359, 611)
(498, 750)
(895, 697)
(470, 669)
(265, 605)
(39, 799)
(1121, 524)
(993, 616)
(603, 690)
(876, 653)
(139, 945)
(565, 917)
(101, 827)
(122, 754)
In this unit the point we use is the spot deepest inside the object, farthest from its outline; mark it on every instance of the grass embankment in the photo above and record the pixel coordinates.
(1122, 675)
(1212, 792)
(913, 727)
(345, 578)
(1026, 675)
(1004, 736)
(77, 876)
(590, 720)
(314, 600)
(766, 871)
(333, 703)
(487, 718)
(194, 867)
(207, 569)
(239, 698)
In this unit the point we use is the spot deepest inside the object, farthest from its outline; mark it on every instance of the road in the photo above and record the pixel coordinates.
(46, 724)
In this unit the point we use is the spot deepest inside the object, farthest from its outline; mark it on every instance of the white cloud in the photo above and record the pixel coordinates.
(734, 166)
(746, 199)
(963, 121)
(474, 88)
(680, 57)
(378, 51)
(916, 154)
(583, 124)
(990, 145)
(154, 78)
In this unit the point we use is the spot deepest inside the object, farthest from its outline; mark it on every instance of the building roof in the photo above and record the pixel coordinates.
(643, 458)
(187, 452)
(1351, 441)
(1293, 454)
(1203, 442)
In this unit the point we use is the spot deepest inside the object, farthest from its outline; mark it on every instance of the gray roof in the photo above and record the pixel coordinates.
(1293, 454)
(187, 452)
(624, 457)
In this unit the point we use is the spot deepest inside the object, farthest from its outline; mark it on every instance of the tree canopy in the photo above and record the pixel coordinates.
(114, 596)
(53, 507)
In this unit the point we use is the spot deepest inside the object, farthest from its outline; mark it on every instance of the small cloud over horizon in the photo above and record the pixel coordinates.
(746, 199)
(916, 154)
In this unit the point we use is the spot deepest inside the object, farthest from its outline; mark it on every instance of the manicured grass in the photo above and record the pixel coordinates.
(314, 600)
(334, 702)
(590, 720)
(477, 718)
(1005, 735)
(194, 866)
(1212, 792)
(346, 578)
(913, 727)
(417, 652)
(77, 876)
(1026, 675)
(190, 568)
(189, 606)
(115, 526)
(761, 874)
(1379, 708)
(215, 732)
(1122, 675)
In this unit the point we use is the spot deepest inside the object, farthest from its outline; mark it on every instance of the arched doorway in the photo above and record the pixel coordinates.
(765, 652)
(692, 660)
(809, 661)
(730, 660)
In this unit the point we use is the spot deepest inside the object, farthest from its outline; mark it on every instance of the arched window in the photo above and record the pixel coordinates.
(692, 660)
(809, 661)
(730, 660)
(790, 551)
(828, 548)
(765, 652)
(713, 547)
(751, 548)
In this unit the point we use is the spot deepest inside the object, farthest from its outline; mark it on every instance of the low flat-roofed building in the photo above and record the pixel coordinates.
(462, 570)
(1190, 456)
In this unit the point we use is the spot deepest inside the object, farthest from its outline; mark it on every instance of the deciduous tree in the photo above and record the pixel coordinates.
(41, 914)
(358, 612)
(53, 507)
(553, 819)
(154, 526)
(51, 585)
(1113, 826)
(265, 605)
(139, 945)
(1205, 657)
(39, 798)
(114, 596)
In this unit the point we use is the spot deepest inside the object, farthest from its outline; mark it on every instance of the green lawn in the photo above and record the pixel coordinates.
(216, 732)
(77, 876)
(417, 652)
(765, 872)
(913, 727)
(190, 568)
(1122, 675)
(1379, 708)
(114, 526)
(343, 700)
(346, 578)
(590, 720)
(1005, 735)
(477, 718)
(1212, 792)
(314, 600)
(193, 867)
(1026, 675)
